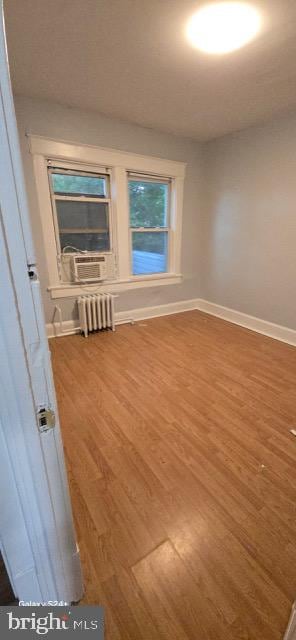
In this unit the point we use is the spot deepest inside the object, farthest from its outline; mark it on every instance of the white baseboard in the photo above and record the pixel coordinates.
(66, 328)
(278, 332)
(54, 329)
(145, 313)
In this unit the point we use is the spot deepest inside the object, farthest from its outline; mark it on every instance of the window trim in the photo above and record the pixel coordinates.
(119, 164)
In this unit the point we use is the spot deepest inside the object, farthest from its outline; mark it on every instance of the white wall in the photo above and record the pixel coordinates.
(239, 223)
(55, 121)
(249, 221)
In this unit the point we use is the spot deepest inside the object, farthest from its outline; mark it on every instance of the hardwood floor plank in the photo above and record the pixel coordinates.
(141, 486)
(182, 475)
(132, 615)
(193, 612)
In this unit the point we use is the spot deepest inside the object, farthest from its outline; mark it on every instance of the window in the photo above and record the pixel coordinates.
(81, 210)
(93, 199)
(149, 200)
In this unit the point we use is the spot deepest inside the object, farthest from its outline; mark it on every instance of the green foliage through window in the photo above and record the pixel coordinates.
(148, 203)
(77, 185)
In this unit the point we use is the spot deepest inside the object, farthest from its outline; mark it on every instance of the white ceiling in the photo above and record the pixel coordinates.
(129, 59)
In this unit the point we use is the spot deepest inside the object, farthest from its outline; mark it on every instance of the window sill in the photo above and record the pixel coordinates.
(114, 286)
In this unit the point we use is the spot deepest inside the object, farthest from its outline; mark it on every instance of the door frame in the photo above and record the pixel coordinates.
(37, 535)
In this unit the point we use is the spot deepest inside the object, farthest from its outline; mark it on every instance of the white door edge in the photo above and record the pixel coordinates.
(37, 510)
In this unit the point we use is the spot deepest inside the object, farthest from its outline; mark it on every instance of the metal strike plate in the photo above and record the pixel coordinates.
(46, 420)
(32, 271)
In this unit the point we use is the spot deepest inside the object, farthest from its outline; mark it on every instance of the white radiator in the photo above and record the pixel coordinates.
(96, 312)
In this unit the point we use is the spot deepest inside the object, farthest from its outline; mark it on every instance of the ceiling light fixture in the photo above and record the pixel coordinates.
(222, 27)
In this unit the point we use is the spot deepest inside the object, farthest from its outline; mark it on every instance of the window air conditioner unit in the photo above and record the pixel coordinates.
(92, 267)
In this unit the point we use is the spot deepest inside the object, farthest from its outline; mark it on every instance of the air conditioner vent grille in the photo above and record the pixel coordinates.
(93, 268)
(88, 271)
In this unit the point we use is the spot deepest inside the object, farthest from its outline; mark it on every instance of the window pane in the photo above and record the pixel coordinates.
(77, 185)
(149, 252)
(85, 241)
(82, 215)
(148, 203)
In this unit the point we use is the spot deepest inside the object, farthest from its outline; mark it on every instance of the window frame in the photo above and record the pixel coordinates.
(119, 164)
(59, 167)
(167, 229)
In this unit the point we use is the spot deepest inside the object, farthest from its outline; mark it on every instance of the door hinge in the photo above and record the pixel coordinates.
(46, 419)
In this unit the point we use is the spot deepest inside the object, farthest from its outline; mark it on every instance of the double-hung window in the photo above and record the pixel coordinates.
(125, 205)
(149, 212)
(81, 204)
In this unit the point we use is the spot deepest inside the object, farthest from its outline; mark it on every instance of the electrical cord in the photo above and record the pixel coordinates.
(73, 274)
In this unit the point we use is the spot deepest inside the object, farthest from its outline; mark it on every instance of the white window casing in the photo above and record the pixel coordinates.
(118, 165)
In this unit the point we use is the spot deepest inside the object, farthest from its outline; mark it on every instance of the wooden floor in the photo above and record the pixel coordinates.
(6, 594)
(183, 476)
